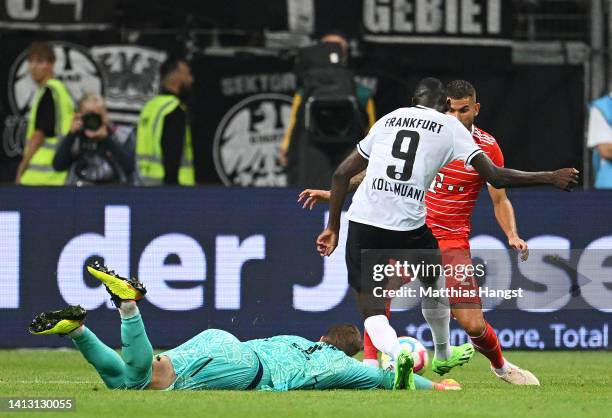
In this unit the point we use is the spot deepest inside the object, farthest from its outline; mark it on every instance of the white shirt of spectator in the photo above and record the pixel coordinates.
(600, 131)
(389, 199)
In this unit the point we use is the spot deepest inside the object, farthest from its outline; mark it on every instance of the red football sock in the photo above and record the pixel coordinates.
(488, 345)
(369, 351)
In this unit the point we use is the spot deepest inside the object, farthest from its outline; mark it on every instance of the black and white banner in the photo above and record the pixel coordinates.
(240, 115)
(57, 15)
(451, 22)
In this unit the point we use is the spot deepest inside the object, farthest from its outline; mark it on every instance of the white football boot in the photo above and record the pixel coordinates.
(517, 376)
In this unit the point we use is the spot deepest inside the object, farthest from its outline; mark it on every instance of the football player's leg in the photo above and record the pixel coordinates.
(446, 357)
(437, 315)
(135, 347)
(69, 321)
(454, 253)
(372, 304)
(469, 317)
(435, 309)
(385, 339)
(370, 353)
(109, 365)
(484, 339)
(376, 324)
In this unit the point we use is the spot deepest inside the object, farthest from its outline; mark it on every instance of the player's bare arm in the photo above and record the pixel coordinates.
(504, 213)
(499, 177)
(605, 150)
(310, 197)
(356, 181)
(36, 141)
(351, 166)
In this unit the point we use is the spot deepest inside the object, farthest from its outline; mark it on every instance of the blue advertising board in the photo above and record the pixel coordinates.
(244, 260)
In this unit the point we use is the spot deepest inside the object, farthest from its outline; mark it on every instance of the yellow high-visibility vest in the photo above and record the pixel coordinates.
(148, 142)
(40, 171)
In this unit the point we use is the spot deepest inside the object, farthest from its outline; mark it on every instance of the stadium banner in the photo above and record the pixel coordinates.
(473, 35)
(57, 15)
(240, 118)
(453, 22)
(244, 260)
(241, 102)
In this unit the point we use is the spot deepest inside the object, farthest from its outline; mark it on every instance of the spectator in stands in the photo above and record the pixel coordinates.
(92, 152)
(50, 117)
(600, 140)
(164, 151)
(311, 160)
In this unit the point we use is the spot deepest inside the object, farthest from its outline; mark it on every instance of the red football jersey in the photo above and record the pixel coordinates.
(453, 194)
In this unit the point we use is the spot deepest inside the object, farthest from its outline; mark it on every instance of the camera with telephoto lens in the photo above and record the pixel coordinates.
(332, 114)
(92, 121)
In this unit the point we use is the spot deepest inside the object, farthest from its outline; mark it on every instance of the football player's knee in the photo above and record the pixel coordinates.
(474, 326)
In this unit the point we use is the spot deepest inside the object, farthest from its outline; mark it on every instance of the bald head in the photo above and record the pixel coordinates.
(430, 92)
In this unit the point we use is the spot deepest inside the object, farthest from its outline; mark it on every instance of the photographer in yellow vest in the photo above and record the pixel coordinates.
(50, 118)
(164, 153)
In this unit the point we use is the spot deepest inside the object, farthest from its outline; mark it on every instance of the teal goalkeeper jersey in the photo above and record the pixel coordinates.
(215, 359)
(296, 363)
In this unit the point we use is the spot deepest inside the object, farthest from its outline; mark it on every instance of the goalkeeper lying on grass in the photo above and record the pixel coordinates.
(215, 359)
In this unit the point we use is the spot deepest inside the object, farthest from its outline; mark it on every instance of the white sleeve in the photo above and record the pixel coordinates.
(464, 147)
(364, 147)
(599, 131)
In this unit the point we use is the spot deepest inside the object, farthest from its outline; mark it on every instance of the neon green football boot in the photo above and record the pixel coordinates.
(120, 288)
(58, 322)
(404, 375)
(460, 355)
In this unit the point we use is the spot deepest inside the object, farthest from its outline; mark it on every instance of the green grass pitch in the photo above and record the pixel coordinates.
(573, 385)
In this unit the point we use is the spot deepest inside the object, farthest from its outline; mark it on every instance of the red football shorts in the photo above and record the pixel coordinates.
(456, 256)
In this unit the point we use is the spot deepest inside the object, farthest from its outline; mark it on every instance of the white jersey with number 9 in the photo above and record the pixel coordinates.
(406, 148)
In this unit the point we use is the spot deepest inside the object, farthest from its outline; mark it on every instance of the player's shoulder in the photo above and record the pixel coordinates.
(452, 121)
(454, 125)
(381, 122)
(419, 112)
(396, 112)
(484, 137)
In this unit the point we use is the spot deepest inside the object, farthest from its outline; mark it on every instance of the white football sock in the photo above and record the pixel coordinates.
(128, 309)
(371, 362)
(504, 369)
(76, 332)
(383, 336)
(437, 315)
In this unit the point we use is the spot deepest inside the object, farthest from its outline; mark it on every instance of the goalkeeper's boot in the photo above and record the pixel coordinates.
(447, 384)
(460, 355)
(404, 375)
(58, 322)
(118, 287)
(517, 376)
